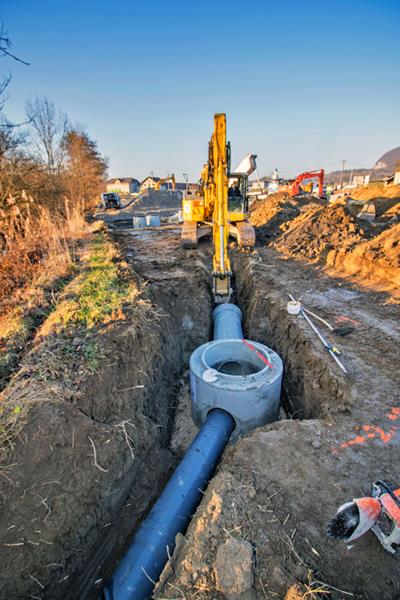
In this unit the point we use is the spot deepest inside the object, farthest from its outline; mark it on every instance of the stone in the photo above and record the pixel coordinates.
(234, 568)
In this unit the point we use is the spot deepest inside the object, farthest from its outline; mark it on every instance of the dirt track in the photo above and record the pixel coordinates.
(274, 491)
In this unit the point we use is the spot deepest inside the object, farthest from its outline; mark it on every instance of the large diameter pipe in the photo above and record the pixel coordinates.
(227, 319)
(154, 543)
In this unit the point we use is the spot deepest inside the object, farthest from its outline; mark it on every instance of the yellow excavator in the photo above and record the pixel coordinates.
(220, 204)
(170, 178)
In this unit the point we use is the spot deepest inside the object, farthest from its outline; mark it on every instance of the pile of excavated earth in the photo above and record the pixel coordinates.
(98, 414)
(333, 235)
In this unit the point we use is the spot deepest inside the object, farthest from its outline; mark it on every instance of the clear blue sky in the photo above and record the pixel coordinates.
(304, 83)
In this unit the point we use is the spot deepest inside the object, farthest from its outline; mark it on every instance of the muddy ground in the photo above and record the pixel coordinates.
(259, 532)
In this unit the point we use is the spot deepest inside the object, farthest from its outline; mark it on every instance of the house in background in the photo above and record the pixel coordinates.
(126, 185)
(190, 188)
(150, 183)
(396, 179)
(360, 180)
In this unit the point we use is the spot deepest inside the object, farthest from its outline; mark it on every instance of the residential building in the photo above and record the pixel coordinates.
(150, 183)
(126, 185)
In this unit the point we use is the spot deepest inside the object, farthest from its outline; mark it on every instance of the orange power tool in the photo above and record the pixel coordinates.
(379, 513)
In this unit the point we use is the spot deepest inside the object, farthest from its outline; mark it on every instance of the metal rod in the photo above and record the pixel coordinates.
(221, 248)
(323, 340)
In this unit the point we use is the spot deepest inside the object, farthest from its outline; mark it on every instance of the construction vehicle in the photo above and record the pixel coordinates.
(296, 189)
(110, 200)
(220, 205)
(170, 178)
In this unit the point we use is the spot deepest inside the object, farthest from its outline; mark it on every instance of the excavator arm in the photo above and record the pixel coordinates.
(309, 175)
(170, 178)
(213, 209)
(216, 202)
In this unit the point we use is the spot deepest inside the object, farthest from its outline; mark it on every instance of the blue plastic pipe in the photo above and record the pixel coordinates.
(154, 543)
(227, 320)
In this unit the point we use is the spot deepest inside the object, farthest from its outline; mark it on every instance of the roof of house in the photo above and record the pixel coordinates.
(122, 180)
(150, 177)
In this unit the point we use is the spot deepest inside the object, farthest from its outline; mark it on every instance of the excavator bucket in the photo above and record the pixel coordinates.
(222, 290)
(244, 234)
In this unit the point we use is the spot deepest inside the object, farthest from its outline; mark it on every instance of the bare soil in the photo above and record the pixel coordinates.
(279, 486)
(332, 235)
(98, 447)
(95, 450)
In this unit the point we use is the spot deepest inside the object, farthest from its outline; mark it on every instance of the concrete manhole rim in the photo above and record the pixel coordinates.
(199, 363)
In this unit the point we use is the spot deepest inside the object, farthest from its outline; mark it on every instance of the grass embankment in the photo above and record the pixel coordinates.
(98, 294)
(66, 346)
(39, 258)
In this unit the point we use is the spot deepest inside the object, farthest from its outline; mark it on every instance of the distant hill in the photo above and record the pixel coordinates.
(385, 165)
(389, 160)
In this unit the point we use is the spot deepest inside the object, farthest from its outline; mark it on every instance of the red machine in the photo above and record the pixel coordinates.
(296, 189)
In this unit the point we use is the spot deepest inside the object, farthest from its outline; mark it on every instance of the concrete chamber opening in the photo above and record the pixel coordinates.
(233, 358)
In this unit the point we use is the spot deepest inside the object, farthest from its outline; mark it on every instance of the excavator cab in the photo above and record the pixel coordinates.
(238, 205)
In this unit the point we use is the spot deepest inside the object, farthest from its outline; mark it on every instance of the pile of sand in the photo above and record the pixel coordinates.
(159, 199)
(375, 262)
(318, 230)
(270, 213)
(376, 190)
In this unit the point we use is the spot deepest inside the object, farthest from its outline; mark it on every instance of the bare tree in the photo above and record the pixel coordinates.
(48, 128)
(5, 45)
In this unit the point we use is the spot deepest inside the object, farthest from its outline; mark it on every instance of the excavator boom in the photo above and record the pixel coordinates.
(170, 178)
(217, 200)
(220, 208)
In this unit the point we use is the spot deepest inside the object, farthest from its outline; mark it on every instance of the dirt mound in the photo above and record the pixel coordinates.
(268, 215)
(383, 205)
(376, 191)
(375, 262)
(158, 199)
(318, 230)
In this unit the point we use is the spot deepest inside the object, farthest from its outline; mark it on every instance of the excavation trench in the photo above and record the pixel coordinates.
(264, 514)
(141, 390)
(185, 305)
(313, 393)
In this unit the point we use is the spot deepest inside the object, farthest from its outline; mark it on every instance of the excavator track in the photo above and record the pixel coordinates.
(189, 237)
(245, 234)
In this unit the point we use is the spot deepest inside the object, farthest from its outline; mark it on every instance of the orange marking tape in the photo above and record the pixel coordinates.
(375, 432)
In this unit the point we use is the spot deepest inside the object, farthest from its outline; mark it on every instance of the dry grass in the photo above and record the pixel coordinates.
(40, 249)
(98, 294)
(103, 291)
(40, 254)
